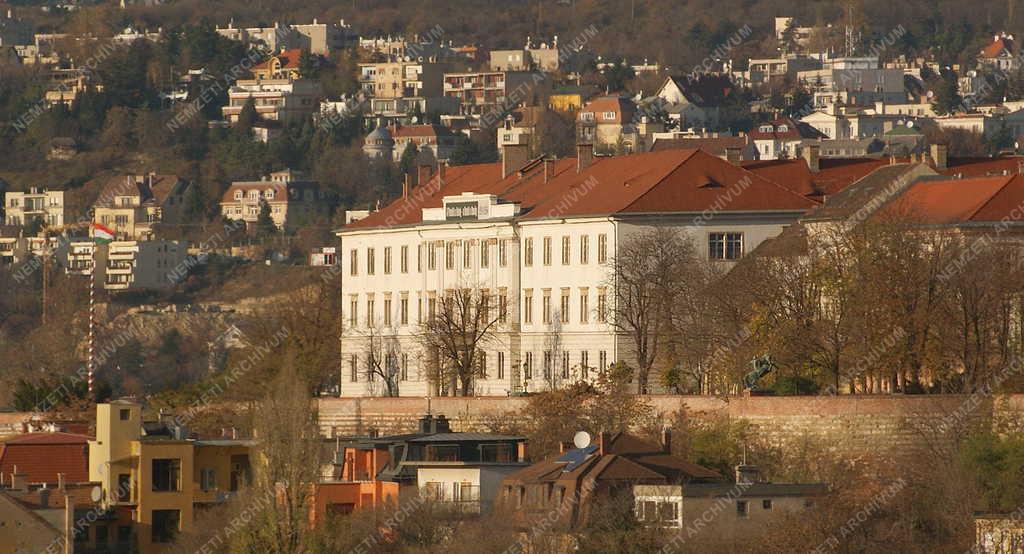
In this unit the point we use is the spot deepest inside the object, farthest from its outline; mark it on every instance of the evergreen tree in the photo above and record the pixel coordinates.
(195, 205)
(947, 95)
(265, 226)
(408, 161)
(247, 117)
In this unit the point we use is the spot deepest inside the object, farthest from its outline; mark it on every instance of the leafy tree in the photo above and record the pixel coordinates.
(947, 95)
(247, 118)
(616, 75)
(195, 204)
(408, 161)
(997, 463)
(265, 226)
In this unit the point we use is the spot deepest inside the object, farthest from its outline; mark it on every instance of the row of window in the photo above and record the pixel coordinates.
(498, 302)
(721, 246)
(568, 366)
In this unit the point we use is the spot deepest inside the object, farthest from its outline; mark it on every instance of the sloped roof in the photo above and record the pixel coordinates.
(622, 107)
(289, 59)
(983, 167)
(150, 188)
(996, 47)
(421, 131)
(41, 456)
(960, 201)
(794, 130)
(877, 188)
(711, 145)
(664, 182)
(834, 174)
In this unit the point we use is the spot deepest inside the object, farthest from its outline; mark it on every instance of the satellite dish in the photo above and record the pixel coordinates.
(930, 94)
(581, 439)
(96, 494)
(415, 119)
(910, 124)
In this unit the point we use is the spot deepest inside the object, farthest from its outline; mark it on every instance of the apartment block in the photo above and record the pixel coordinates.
(44, 205)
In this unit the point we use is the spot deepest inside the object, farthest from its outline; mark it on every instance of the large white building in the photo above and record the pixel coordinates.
(44, 205)
(537, 238)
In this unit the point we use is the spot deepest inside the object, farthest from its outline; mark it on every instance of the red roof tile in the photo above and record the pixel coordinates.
(957, 201)
(794, 130)
(666, 181)
(833, 176)
(41, 456)
(995, 47)
(289, 60)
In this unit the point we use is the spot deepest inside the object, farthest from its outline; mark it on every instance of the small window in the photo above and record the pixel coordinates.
(766, 504)
(166, 524)
(124, 414)
(208, 479)
(741, 508)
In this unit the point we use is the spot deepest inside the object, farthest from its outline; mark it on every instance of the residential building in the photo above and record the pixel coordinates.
(855, 124)
(667, 491)
(569, 99)
(323, 256)
(134, 205)
(612, 124)
(47, 206)
(22, 530)
(494, 92)
(781, 137)
(293, 201)
(693, 105)
(433, 142)
(765, 70)
(800, 35)
(980, 123)
(531, 57)
(378, 144)
(731, 149)
(537, 236)
(998, 533)
(846, 148)
(282, 65)
(316, 38)
(284, 100)
(149, 264)
(843, 87)
(159, 476)
(403, 79)
(999, 54)
(459, 470)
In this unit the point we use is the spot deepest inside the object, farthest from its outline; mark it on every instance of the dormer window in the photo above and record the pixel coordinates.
(269, 194)
(783, 128)
(239, 194)
(254, 195)
(608, 116)
(587, 116)
(766, 128)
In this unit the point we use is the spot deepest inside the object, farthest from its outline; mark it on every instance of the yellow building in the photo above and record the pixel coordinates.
(160, 474)
(566, 101)
(131, 205)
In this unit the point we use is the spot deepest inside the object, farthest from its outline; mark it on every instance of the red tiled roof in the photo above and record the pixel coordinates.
(996, 47)
(833, 176)
(41, 456)
(795, 130)
(667, 181)
(983, 167)
(289, 60)
(711, 145)
(622, 107)
(419, 131)
(956, 201)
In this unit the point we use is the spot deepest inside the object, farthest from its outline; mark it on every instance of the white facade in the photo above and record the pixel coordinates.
(552, 274)
(47, 206)
(128, 265)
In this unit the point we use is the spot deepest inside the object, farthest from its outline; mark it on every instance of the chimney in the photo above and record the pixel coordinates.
(60, 481)
(733, 154)
(549, 169)
(604, 440)
(44, 497)
(584, 156)
(666, 440)
(441, 167)
(521, 451)
(405, 185)
(426, 423)
(939, 156)
(811, 156)
(422, 175)
(513, 156)
(19, 481)
(441, 424)
(69, 523)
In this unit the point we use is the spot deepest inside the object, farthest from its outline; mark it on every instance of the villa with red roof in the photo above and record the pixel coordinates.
(998, 54)
(40, 457)
(283, 65)
(537, 238)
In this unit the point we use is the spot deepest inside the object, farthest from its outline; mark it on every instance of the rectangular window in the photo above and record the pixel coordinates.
(528, 366)
(725, 246)
(503, 252)
(353, 313)
(125, 414)
(485, 306)
(166, 524)
(584, 307)
(449, 256)
(387, 260)
(404, 307)
(370, 261)
(369, 312)
(166, 475)
(387, 311)
(766, 504)
(547, 365)
(431, 308)
(565, 364)
(584, 364)
(584, 249)
(563, 311)
(432, 256)
(547, 251)
(501, 365)
(741, 509)
(546, 307)
(502, 307)
(207, 479)
(353, 262)
(485, 253)
(353, 368)
(404, 263)
(602, 360)
(602, 306)
(482, 364)
(405, 367)
(467, 255)
(419, 258)
(566, 254)
(602, 248)
(528, 252)
(527, 307)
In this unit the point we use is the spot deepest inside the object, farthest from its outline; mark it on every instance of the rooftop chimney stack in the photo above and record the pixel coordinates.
(584, 156)
(939, 156)
(666, 440)
(733, 154)
(405, 185)
(441, 167)
(747, 474)
(513, 156)
(19, 481)
(423, 175)
(549, 169)
(604, 442)
(811, 154)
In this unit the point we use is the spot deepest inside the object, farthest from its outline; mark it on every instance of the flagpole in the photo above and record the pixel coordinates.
(92, 316)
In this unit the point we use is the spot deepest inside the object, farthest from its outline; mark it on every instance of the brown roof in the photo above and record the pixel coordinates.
(622, 107)
(687, 181)
(983, 167)
(834, 174)
(289, 60)
(994, 48)
(41, 456)
(281, 190)
(960, 201)
(420, 131)
(151, 188)
(711, 145)
(794, 130)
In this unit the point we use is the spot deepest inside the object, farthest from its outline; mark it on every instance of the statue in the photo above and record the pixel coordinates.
(763, 365)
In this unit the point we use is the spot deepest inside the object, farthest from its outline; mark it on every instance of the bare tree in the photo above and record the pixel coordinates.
(459, 324)
(382, 354)
(647, 277)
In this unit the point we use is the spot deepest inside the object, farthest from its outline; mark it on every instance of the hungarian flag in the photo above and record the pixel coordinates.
(101, 234)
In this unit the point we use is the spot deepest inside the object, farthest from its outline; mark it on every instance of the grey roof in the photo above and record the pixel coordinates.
(457, 437)
(875, 189)
(380, 133)
(756, 490)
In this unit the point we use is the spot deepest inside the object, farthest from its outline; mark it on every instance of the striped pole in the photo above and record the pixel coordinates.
(92, 319)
